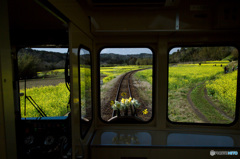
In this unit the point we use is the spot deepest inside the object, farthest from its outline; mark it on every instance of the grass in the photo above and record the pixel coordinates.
(145, 75)
(85, 82)
(182, 77)
(179, 109)
(58, 73)
(143, 82)
(228, 58)
(205, 107)
(110, 73)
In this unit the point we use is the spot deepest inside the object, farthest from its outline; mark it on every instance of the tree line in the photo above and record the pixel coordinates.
(203, 54)
(32, 61)
(117, 59)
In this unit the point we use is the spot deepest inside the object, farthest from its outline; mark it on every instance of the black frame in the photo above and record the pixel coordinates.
(237, 93)
(79, 89)
(99, 91)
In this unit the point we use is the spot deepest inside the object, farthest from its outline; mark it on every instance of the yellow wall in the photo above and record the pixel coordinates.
(7, 118)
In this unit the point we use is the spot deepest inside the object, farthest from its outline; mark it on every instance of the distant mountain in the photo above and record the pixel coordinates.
(55, 60)
(48, 60)
(131, 59)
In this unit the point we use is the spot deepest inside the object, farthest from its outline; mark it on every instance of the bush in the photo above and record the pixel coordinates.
(28, 66)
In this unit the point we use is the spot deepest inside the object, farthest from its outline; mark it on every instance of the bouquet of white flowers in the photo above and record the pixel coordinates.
(125, 104)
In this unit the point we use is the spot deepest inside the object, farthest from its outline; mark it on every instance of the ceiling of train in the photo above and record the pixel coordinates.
(162, 15)
(29, 19)
(32, 24)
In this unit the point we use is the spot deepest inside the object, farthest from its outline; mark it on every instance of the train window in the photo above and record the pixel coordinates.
(126, 84)
(202, 84)
(42, 87)
(85, 89)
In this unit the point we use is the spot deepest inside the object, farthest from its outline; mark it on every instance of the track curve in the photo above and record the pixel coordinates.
(125, 87)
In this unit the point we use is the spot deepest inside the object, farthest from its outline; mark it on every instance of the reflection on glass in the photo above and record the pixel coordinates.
(202, 84)
(176, 139)
(121, 69)
(85, 83)
(134, 138)
(42, 82)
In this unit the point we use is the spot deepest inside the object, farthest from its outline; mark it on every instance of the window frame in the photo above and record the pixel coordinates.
(83, 134)
(153, 83)
(236, 119)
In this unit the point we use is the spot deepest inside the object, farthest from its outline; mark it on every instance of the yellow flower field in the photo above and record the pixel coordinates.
(224, 88)
(187, 74)
(110, 73)
(183, 77)
(52, 99)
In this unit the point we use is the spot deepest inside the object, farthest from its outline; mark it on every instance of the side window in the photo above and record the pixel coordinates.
(85, 89)
(202, 84)
(43, 92)
(126, 84)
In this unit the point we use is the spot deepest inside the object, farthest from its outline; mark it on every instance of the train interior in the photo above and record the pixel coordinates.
(63, 62)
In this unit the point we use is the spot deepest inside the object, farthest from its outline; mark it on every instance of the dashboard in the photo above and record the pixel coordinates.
(46, 137)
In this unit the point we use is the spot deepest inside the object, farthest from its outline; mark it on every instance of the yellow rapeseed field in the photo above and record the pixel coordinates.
(52, 99)
(110, 73)
(188, 74)
(224, 88)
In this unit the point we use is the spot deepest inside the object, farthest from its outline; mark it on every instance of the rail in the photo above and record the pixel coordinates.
(128, 76)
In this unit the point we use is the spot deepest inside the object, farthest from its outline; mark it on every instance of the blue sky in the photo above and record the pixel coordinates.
(126, 51)
(174, 50)
(60, 50)
(109, 50)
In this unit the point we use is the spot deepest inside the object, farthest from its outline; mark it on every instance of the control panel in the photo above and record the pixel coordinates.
(44, 138)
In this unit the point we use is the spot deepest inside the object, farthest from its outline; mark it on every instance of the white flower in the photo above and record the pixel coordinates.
(118, 104)
(135, 103)
(127, 103)
(123, 106)
(114, 107)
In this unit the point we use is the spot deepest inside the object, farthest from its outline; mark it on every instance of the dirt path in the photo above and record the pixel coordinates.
(146, 102)
(217, 108)
(41, 82)
(195, 109)
(210, 102)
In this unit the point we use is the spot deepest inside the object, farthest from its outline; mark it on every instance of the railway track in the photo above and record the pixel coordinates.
(125, 87)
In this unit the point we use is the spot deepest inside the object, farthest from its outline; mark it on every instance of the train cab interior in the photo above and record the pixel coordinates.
(119, 79)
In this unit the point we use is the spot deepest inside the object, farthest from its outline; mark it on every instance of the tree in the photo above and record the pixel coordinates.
(27, 66)
(234, 54)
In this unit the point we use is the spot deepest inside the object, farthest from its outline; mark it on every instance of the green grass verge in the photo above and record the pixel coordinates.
(179, 109)
(206, 108)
